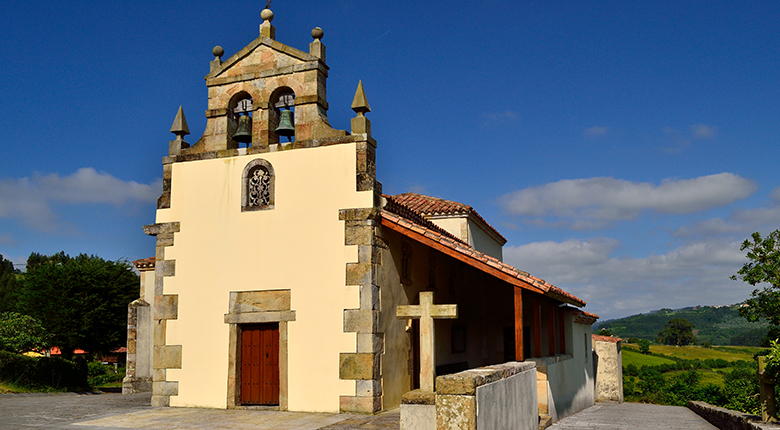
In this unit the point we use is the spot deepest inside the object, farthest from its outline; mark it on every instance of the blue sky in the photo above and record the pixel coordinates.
(624, 149)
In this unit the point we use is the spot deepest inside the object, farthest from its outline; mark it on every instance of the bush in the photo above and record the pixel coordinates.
(644, 346)
(21, 333)
(43, 372)
(101, 374)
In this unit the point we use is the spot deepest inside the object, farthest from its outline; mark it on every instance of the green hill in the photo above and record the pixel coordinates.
(718, 325)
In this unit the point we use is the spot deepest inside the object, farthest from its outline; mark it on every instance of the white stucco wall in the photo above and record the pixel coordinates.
(483, 242)
(570, 378)
(470, 232)
(508, 404)
(298, 245)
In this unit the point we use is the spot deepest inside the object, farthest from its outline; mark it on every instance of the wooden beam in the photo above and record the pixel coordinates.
(460, 256)
(519, 352)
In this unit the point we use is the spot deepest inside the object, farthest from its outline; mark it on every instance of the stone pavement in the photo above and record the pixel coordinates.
(68, 411)
(633, 416)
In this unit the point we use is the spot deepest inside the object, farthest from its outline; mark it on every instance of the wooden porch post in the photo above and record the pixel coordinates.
(519, 353)
(561, 331)
(536, 326)
(551, 314)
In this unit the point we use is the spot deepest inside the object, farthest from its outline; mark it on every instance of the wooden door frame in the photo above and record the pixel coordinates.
(235, 319)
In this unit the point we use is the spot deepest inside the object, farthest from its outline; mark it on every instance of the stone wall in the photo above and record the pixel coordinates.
(609, 369)
(500, 397)
(727, 419)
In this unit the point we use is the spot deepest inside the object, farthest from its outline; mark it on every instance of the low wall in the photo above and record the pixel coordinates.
(727, 419)
(500, 397)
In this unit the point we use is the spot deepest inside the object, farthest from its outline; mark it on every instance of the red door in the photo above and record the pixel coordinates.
(260, 364)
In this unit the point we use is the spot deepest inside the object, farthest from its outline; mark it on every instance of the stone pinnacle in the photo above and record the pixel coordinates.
(179, 126)
(360, 102)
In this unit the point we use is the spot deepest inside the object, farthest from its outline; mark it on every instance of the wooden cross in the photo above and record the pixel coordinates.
(426, 311)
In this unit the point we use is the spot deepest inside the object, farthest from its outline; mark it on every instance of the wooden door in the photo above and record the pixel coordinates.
(260, 364)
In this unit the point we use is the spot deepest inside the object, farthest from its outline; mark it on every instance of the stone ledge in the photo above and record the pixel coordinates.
(543, 362)
(418, 397)
(723, 418)
(166, 227)
(259, 317)
(466, 382)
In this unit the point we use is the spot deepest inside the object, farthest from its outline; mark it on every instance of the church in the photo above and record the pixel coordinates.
(285, 278)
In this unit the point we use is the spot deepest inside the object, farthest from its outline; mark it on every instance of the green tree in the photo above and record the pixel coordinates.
(763, 268)
(644, 346)
(8, 275)
(677, 331)
(606, 332)
(21, 333)
(81, 301)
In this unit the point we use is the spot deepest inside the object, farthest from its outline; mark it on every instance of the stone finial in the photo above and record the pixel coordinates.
(180, 129)
(360, 102)
(218, 51)
(179, 126)
(216, 63)
(267, 30)
(361, 124)
(316, 47)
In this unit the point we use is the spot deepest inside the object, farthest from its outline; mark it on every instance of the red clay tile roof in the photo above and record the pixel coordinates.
(585, 318)
(606, 338)
(428, 206)
(484, 261)
(145, 264)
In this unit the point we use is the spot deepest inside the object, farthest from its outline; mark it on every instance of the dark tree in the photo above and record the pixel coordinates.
(8, 275)
(81, 301)
(763, 268)
(677, 331)
(606, 332)
(644, 346)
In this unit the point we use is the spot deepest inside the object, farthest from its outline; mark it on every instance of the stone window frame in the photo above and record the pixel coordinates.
(245, 176)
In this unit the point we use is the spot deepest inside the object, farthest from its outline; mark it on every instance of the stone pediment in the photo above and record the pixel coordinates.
(261, 55)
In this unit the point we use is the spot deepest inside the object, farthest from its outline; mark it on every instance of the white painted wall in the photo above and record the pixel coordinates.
(571, 378)
(508, 404)
(470, 232)
(298, 245)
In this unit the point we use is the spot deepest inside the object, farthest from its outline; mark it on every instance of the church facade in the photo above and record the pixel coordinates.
(280, 264)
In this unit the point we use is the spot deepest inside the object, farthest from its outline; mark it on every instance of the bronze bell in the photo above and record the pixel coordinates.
(243, 132)
(286, 125)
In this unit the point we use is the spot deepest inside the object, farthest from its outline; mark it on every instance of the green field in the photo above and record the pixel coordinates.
(692, 352)
(708, 376)
(638, 359)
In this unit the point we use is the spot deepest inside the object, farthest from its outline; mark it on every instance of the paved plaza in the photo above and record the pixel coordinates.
(633, 416)
(69, 411)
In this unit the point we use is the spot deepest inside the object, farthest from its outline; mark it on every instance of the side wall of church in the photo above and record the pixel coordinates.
(298, 245)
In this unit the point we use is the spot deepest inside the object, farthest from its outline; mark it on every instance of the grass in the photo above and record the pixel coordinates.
(638, 359)
(7, 388)
(728, 353)
(708, 376)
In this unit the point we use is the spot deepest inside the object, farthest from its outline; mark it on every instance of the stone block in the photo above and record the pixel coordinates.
(358, 214)
(360, 273)
(362, 405)
(166, 307)
(165, 388)
(161, 401)
(368, 388)
(360, 321)
(418, 417)
(357, 234)
(166, 227)
(167, 267)
(260, 301)
(358, 366)
(167, 357)
(418, 397)
(455, 412)
(373, 343)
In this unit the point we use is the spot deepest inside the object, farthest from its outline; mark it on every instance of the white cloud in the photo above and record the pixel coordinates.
(593, 202)
(696, 273)
(703, 131)
(596, 130)
(30, 199)
(776, 194)
(739, 223)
